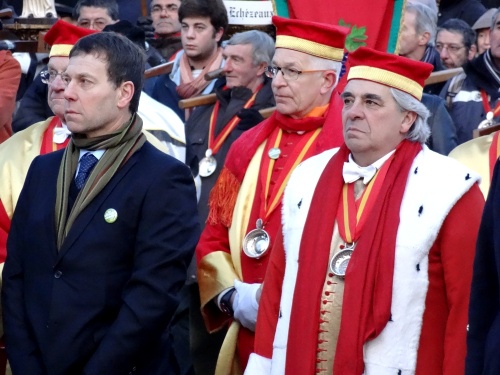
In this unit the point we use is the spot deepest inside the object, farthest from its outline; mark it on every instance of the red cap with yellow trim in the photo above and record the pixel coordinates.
(62, 36)
(313, 38)
(391, 70)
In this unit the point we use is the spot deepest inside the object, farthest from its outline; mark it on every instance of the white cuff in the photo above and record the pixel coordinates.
(258, 365)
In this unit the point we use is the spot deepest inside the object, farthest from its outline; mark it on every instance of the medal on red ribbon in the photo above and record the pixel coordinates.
(257, 241)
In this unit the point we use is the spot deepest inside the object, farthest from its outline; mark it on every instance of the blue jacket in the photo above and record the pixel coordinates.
(467, 109)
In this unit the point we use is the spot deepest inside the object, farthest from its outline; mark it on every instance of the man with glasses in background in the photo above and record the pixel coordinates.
(476, 102)
(90, 14)
(245, 203)
(455, 43)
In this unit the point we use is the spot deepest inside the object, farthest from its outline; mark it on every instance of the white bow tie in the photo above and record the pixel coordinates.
(61, 134)
(352, 172)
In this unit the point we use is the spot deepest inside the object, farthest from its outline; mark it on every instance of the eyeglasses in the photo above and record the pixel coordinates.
(452, 48)
(97, 24)
(170, 8)
(48, 76)
(289, 74)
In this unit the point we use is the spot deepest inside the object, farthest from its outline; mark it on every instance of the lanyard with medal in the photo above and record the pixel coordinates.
(208, 164)
(490, 114)
(257, 241)
(352, 215)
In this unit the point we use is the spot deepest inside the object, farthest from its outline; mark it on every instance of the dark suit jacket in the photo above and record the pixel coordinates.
(102, 304)
(483, 336)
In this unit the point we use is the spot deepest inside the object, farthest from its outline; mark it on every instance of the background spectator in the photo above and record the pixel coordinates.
(455, 43)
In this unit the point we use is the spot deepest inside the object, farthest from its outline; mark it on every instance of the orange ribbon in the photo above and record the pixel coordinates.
(299, 153)
(214, 144)
(486, 104)
(352, 214)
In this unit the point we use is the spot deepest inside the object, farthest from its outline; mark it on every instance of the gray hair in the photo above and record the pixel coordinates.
(425, 20)
(262, 45)
(111, 7)
(419, 131)
(326, 64)
(430, 3)
(494, 18)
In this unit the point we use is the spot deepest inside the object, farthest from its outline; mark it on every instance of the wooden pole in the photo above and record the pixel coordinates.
(144, 8)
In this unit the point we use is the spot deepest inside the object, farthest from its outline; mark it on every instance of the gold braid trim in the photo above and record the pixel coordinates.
(228, 362)
(60, 50)
(223, 198)
(387, 78)
(309, 47)
(215, 274)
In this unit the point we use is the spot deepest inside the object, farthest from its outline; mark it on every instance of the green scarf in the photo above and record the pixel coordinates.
(120, 146)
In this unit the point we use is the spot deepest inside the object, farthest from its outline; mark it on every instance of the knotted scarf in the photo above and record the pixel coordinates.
(119, 146)
(190, 86)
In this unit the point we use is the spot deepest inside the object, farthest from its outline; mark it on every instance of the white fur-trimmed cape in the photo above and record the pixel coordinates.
(435, 183)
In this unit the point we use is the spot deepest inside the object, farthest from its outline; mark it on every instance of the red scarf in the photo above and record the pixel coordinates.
(48, 144)
(368, 282)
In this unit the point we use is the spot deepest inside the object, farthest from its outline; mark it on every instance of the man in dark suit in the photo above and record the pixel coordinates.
(102, 232)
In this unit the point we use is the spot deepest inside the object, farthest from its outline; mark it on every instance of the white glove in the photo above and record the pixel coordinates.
(245, 305)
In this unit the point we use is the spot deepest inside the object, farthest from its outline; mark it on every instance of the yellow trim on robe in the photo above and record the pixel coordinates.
(155, 141)
(475, 154)
(16, 155)
(215, 274)
(243, 208)
(227, 362)
(217, 270)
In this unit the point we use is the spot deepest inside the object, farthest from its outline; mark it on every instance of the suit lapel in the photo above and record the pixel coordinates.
(85, 217)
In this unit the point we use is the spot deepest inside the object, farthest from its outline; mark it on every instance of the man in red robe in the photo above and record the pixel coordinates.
(246, 199)
(372, 273)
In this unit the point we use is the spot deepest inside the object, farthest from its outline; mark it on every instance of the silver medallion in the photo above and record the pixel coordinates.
(256, 242)
(340, 261)
(488, 122)
(207, 165)
(274, 153)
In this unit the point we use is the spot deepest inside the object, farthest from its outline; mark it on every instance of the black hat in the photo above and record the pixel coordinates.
(64, 10)
(124, 27)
